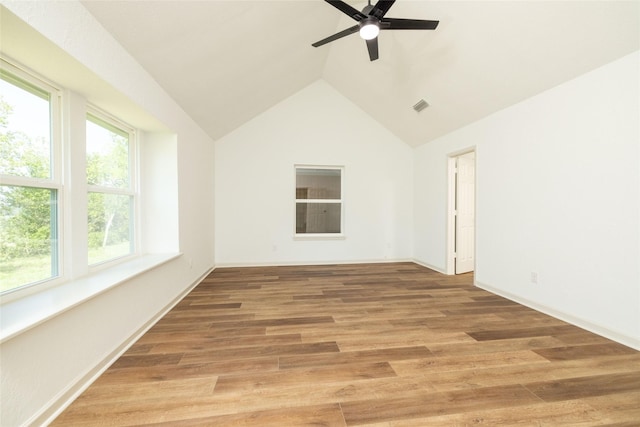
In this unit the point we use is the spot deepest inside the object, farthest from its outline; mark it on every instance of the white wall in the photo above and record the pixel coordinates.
(558, 193)
(44, 366)
(255, 183)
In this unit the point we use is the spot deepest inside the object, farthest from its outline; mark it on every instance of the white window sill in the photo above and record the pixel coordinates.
(319, 236)
(23, 314)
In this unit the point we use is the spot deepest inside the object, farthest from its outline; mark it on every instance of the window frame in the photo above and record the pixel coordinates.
(55, 182)
(108, 121)
(340, 201)
(65, 167)
(29, 305)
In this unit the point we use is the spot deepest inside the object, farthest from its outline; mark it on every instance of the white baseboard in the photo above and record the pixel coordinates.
(298, 263)
(59, 403)
(582, 323)
(429, 266)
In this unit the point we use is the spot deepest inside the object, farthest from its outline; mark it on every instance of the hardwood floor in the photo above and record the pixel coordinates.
(376, 344)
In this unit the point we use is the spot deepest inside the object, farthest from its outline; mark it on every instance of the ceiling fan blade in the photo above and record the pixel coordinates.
(381, 8)
(337, 36)
(347, 10)
(407, 24)
(372, 47)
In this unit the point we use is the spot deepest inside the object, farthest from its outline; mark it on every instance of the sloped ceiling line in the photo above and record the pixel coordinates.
(225, 62)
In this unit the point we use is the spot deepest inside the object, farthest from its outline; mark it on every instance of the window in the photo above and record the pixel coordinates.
(30, 179)
(319, 201)
(36, 161)
(110, 189)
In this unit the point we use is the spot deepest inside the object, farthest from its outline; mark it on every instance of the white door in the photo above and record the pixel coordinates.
(465, 213)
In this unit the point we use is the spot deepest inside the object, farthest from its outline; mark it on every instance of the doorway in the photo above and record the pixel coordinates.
(462, 185)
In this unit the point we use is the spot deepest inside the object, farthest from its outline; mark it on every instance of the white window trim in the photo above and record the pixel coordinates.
(68, 269)
(320, 236)
(55, 180)
(32, 304)
(132, 190)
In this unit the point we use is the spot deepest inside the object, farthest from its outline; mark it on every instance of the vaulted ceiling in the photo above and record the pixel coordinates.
(226, 62)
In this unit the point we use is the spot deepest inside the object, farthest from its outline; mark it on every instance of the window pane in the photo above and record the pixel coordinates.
(318, 183)
(110, 228)
(318, 217)
(107, 155)
(29, 242)
(25, 129)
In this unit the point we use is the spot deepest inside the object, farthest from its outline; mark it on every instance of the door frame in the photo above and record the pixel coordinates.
(451, 204)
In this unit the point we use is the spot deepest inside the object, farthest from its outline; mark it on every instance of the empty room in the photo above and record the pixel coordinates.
(310, 212)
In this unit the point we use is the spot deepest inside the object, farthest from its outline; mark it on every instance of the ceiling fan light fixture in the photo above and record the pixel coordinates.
(369, 29)
(370, 21)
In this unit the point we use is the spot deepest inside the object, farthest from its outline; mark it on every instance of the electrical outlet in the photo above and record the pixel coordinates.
(534, 277)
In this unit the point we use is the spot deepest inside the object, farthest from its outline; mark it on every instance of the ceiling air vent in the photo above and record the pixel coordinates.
(420, 105)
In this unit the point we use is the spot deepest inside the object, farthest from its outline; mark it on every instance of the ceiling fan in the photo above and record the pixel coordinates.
(370, 21)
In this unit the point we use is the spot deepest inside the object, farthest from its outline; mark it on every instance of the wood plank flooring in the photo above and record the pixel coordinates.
(351, 345)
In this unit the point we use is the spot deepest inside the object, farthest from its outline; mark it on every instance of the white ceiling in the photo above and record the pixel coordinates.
(226, 62)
